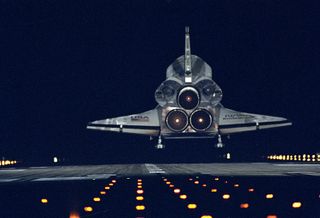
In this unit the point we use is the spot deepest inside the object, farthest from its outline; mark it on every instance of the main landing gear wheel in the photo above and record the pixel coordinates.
(160, 145)
(219, 143)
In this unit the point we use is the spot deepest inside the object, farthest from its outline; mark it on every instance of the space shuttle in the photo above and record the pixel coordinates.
(189, 106)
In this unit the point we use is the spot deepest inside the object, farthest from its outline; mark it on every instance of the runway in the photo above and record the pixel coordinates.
(90, 172)
(203, 190)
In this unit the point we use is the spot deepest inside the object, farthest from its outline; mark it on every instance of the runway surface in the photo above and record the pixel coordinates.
(162, 190)
(90, 172)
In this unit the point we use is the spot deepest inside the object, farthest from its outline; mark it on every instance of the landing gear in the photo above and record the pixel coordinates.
(160, 145)
(219, 143)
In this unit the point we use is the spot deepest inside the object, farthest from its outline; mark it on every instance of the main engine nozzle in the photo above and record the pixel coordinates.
(188, 98)
(177, 120)
(201, 120)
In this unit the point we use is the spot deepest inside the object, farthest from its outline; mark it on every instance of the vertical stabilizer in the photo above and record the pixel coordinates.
(187, 57)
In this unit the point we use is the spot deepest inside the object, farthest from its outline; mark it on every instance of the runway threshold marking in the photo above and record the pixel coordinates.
(153, 169)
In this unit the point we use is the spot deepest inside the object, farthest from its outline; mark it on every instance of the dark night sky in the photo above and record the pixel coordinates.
(65, 63)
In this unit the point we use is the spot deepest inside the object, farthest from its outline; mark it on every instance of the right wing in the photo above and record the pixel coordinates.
(231, 121)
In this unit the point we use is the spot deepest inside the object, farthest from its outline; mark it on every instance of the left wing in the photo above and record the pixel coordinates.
(146, 123)
(231, 121)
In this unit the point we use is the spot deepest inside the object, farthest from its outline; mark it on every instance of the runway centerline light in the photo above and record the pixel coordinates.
(140, 207)
(139, 198)
(214, 190)
(204, 185)
(103, 192)
(192, 206)
(251, 190)
(171, 186)
(296, 204)
(88, 209)
(114, 181)
(226, 196)
(196, 182)
(183, 197)
(236, 185)
(140, 191)
(44, 200)
(107, 188)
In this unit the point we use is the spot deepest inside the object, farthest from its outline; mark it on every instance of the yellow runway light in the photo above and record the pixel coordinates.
(216, 179)
(88, 209)
(192, 206)
(244, 206)
(140, 207)
(107, 188)
(139, 180)
(110, 184)
(226, 196)
(214, 190)
(177, 191)
(296, 204)
(206, 216)
(44, 200)
(140, 191)
(183, 197)
(139, 186)
(96, 199)
(103, 192)
(168, 182)
(139, 198)
(269, 196)
(74, 215)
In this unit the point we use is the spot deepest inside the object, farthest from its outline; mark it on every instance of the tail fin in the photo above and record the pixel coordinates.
(187, 57)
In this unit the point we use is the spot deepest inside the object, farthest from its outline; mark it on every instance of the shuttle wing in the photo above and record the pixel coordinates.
(146, 123)
(231, 121)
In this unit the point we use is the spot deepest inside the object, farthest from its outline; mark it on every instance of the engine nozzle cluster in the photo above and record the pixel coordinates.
(200, 120)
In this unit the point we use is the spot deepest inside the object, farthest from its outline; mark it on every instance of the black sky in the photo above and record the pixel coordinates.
(65, 63)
